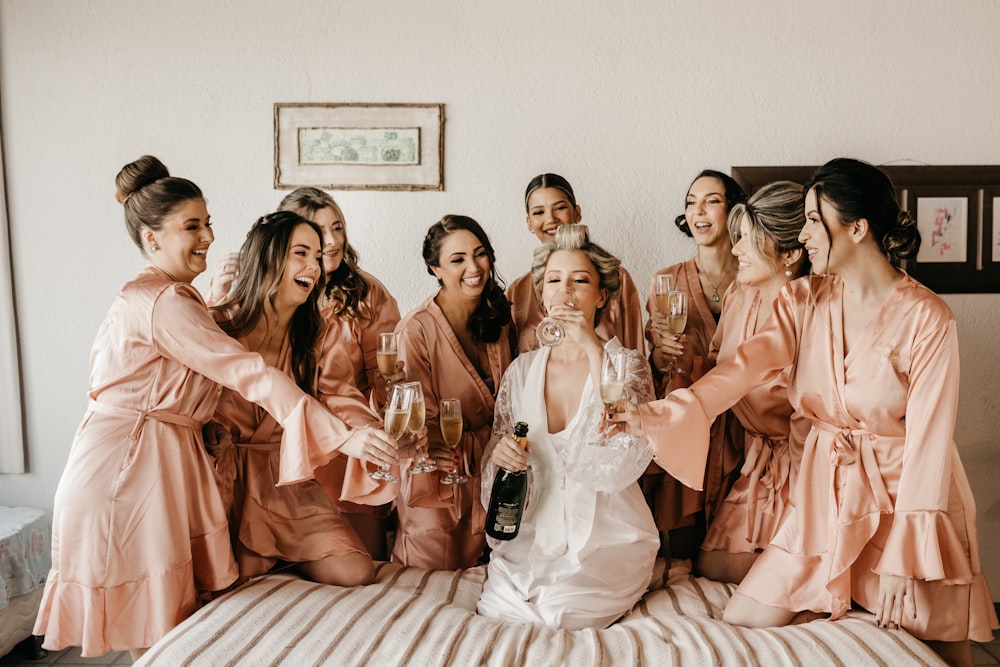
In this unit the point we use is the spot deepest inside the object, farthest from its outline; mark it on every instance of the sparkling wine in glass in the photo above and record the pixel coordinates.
(612, 380)
(664, 286)
(418, 413)
(450, 419)
(676, 312)
(387, 353)
(397, 417)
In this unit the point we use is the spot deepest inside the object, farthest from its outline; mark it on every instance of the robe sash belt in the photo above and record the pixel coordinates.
(860, 496)
(140, 417)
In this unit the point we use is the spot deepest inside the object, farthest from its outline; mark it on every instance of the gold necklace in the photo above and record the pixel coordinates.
(715, 285)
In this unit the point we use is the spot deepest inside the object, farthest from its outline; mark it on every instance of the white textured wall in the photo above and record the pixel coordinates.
(626, 99)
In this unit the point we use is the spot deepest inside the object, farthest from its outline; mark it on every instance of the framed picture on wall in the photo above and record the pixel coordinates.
(357, 146)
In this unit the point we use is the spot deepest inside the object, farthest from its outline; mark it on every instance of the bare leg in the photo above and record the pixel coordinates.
(371, 530)
(725, 566)
(749, 613)
(353, 569)
(957, 654)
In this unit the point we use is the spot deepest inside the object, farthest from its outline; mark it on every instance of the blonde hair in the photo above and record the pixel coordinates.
(775, 215)
(577, 238)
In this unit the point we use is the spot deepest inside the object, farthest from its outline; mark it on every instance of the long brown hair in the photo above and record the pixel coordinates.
(346, 287)
(262, 262)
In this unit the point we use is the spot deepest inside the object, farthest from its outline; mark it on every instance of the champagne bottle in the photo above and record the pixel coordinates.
(510, 490)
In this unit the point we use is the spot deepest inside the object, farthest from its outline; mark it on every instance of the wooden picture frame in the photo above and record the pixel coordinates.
(956, 205)
(359, 146)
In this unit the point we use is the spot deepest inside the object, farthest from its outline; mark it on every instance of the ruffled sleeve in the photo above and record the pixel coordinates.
(678, 426)
(503, 424)
(184, 331)
(347, 479)
(923, 542)
(622, 458)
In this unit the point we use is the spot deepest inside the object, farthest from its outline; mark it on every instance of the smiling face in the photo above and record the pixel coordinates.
(706, 211)
(334, 237)
(824, 235)
(303, 267)
(549, 209)
(755, 269)
(463, 265)
(183, 240)
(570, 276)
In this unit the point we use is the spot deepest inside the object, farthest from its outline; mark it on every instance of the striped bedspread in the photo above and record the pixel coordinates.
(417, 617)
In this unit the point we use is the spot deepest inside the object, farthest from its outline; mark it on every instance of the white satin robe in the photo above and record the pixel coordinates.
(582, 557)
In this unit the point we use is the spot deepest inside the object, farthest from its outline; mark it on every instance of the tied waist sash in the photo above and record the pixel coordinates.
(141, 416)
(854, 448)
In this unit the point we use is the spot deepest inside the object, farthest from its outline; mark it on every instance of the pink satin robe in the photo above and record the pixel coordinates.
(881, 488)
(773, 435)
(441, 526)
(675, 505)
(357, 342)
(139, 524)
(622, 317)
(298, 522)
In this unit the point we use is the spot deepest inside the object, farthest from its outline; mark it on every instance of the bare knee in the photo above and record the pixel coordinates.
(353, 569)
(725, 566)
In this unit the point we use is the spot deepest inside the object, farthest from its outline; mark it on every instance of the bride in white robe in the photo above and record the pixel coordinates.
(587, 542)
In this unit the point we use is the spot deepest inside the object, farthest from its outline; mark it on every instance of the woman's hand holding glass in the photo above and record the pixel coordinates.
(397, 417)
(415, 427)
(372, 445)
(668, 322)
(451, 422)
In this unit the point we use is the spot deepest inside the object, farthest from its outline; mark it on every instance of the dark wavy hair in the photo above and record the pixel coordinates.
(262, 262)
(149, 194)
(346, 288)
(856, 189)
(487, 321)
(734, 195)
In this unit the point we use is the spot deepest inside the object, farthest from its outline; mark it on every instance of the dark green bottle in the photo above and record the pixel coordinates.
(510, 490)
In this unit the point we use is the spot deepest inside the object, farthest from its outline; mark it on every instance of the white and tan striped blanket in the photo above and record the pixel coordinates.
(417, 617)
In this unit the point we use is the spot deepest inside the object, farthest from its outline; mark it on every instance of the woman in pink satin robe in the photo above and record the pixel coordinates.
(139, 525)
(883, 514)
(359, 308)
(457, 344)
(681, 512)
(765, 234)
(550, 203)
(273, 309)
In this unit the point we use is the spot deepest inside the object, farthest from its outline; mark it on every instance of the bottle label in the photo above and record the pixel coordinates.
(507, 517)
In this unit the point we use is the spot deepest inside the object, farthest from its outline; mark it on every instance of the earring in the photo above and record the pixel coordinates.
(154, 248)
(788, 270)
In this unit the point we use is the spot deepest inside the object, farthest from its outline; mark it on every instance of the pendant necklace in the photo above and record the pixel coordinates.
(715, 287)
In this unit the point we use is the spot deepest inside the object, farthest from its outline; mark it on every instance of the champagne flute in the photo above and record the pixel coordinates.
(612, 379)
(387, 353)
(677, 313)
(550, 331)
(450, 419)
(664, 286)
(418, 413)
(397, 416)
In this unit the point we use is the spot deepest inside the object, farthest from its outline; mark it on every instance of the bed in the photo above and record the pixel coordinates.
(411, 616)
(25, 558)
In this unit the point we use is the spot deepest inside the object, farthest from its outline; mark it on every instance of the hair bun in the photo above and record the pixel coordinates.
(136, 175)
(903, 240)
(572, 236)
